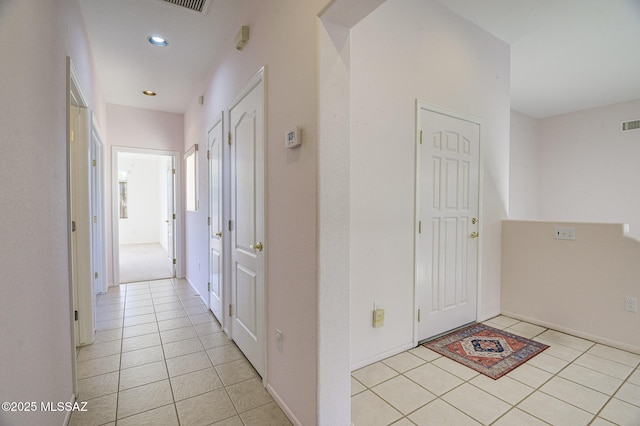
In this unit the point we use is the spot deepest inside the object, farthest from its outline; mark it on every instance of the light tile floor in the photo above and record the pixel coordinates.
(574, 382)
(160, 358)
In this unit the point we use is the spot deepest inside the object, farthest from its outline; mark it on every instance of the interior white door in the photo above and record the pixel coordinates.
(215, 138)
(81, 248)
(171, 217)
(246, 133)
(447, 240)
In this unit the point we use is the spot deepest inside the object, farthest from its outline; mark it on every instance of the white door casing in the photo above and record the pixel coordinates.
(215, 138)
(447, 190)
(82, 276)
(98, 211)
(247, 172)
(174, 246)
(171, 210)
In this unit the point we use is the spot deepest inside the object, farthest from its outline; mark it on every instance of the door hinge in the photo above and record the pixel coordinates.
(208, 286)
(208, 154)
(173, 171)
(93, 163)
(419, 227)
(418, 315)
(95, 275)
(209, 220)
(230, 225)
(75, 315)
(420, 137)
(229, 139)
(230, 310)
(174, 216)
(73, 226)
(174, 261)
(95, 219)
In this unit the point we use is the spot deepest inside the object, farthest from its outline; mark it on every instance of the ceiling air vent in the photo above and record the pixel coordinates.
(200, 6)
(630, 125)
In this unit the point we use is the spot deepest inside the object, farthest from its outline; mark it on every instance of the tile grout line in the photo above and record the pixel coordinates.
(512, 406)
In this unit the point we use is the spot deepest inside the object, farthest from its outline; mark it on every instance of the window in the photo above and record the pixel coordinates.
(191, 160)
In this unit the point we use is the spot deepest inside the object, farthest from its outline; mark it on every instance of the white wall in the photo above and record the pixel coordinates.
(35, 314)
(146, 210)
(283, 38)
(524, 169)
(408, 49)
(138, 128)
(573, 286)
(589, 168)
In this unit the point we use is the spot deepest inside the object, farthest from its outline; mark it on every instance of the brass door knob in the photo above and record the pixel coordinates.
(219, 234)
(474, 234)
(256, 246)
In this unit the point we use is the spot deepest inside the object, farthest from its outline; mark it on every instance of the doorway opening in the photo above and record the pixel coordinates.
(145, 219)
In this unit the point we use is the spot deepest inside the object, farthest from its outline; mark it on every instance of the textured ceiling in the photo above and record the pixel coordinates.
(127, 64)
(566, 55)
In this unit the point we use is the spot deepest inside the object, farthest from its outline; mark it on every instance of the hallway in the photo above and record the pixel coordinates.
(160, 358)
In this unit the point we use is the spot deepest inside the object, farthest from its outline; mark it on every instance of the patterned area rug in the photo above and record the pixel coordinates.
(487, 350)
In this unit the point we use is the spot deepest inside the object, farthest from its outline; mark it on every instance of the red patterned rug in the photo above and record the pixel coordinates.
(485, 349)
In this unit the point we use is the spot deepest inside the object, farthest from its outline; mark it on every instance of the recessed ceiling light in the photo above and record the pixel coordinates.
(149, 92)
(157, 41)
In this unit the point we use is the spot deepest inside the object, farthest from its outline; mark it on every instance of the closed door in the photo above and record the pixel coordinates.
(448, 227)
(246, 133)
(215, 137)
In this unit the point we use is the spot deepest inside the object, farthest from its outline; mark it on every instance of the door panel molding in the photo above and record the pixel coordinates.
(247, 216)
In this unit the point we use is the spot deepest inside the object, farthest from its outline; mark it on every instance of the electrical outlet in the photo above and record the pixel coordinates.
(631, 304)
(378, 316)
(565, 233)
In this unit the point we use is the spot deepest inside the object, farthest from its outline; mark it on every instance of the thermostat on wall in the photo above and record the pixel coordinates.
(292, 138)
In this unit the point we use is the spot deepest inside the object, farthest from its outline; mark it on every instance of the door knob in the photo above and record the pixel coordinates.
(256, 246)
(474, 234)
(219, 234)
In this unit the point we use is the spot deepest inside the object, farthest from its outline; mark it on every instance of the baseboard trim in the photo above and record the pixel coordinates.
(197, 292)
(67, 417)
(382, 355)
(285, 409)
(577, 333)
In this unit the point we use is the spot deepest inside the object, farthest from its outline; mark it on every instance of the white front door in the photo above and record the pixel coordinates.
(246, 132)
(447, 214)
(215, 138)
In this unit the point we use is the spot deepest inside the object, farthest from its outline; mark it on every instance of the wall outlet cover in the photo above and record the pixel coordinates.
(631, 304)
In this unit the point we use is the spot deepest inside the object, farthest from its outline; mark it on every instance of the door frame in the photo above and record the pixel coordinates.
(423, 105)
(98, 207)
(75, 96)
(115, 214)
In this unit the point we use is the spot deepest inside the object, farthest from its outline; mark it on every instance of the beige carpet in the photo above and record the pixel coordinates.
(144, 262)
